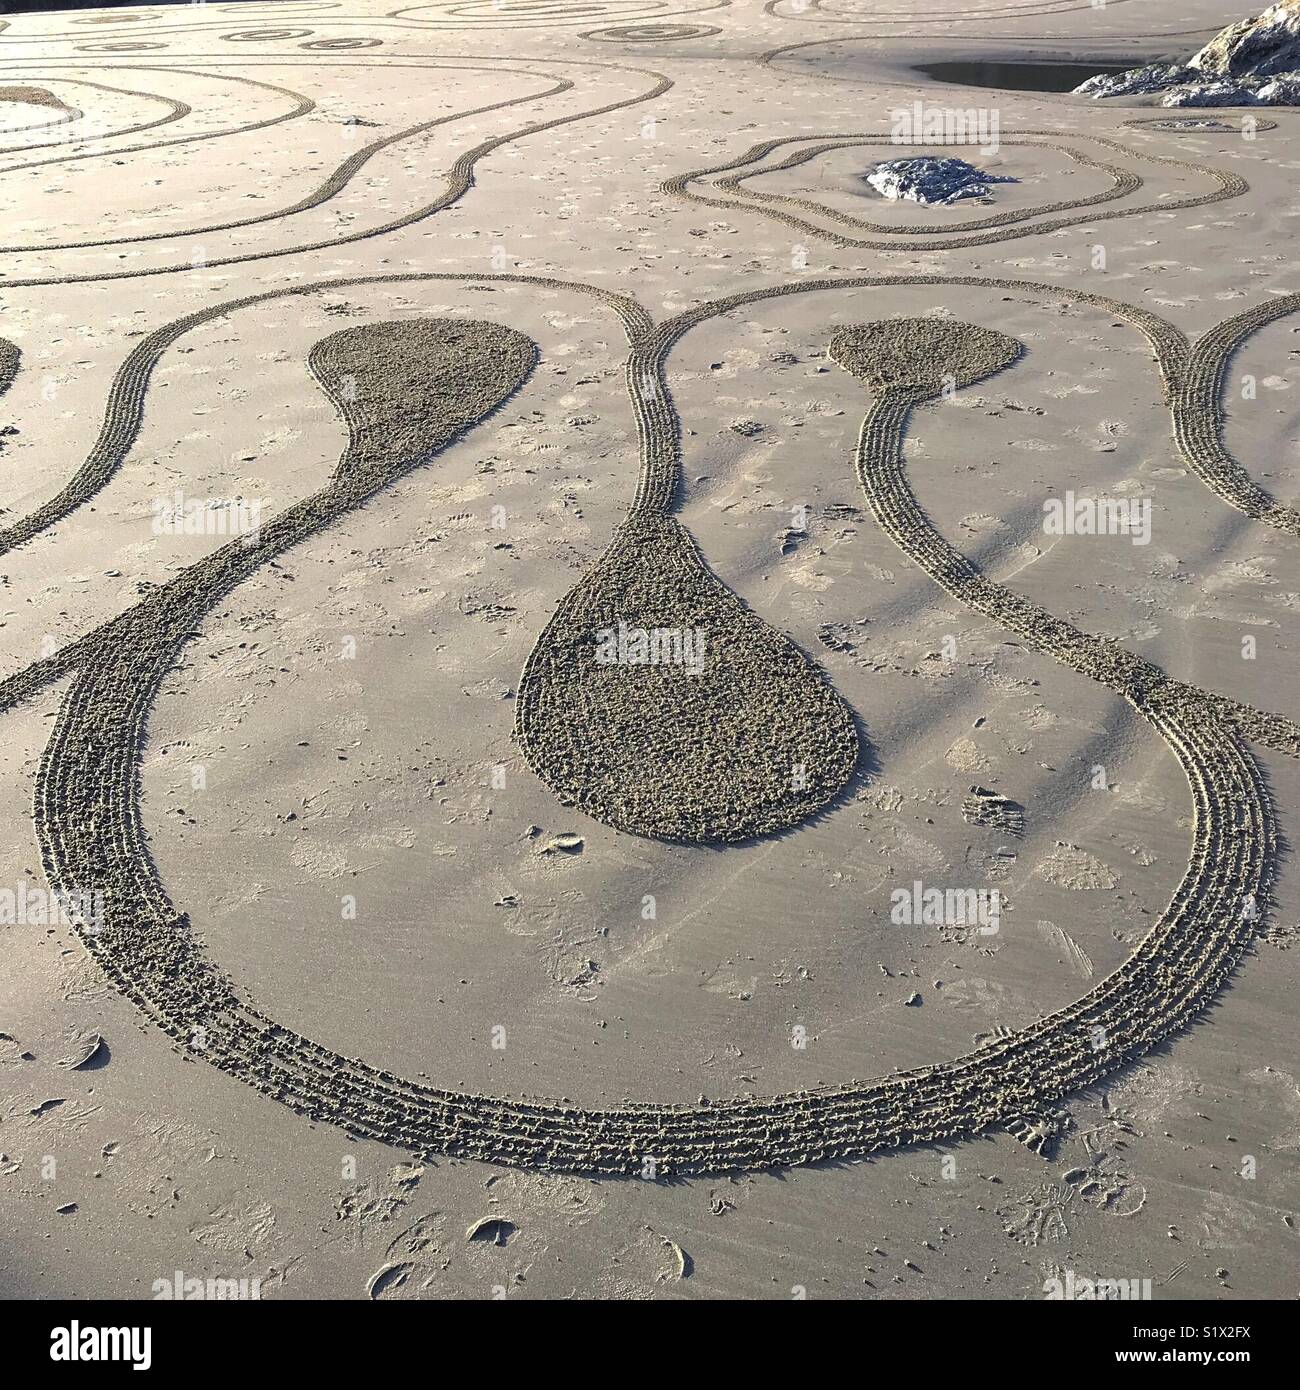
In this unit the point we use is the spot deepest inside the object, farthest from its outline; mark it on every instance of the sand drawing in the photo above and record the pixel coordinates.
(145, 945)
(725, 733)
(265, 35)
(653, 700)
(996, 227)
(839, 12)
(120, 46)
(38, 97)
(458, 180)
(340, 44)
(333, 185)
(176, 111)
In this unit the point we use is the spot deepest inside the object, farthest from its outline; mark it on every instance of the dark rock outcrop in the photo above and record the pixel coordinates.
(932, 179)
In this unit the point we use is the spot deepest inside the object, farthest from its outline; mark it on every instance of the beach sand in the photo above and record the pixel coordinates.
(413, 916)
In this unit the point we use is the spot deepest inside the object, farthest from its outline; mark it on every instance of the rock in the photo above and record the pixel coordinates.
(1154, 77)
(932, 179)
(1281, 91)
(1259, 47)
(1233, 69)
(1210, 94)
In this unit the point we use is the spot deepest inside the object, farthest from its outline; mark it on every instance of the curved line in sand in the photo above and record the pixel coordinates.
(302, 105)
(658, 9)
(1212, 124)
(177, 110)
(816, 12)
(124, 409)
(633, 33)
(769, 57)
(459, 179)
(1199, 415)
(395, 20)
(909, 23)
(334, 183)
(69, 114)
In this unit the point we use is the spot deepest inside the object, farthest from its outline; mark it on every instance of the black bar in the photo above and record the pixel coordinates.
(281, 1334)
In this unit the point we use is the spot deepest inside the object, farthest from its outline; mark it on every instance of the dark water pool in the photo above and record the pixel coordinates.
(1020, 77)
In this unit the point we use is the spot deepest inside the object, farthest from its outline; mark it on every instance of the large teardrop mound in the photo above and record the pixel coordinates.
(656, 702)
(919, 358)
(408, 387)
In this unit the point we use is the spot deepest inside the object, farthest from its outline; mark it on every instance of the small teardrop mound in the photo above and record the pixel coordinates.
(408, 387)
(918, 358)
(656, 702)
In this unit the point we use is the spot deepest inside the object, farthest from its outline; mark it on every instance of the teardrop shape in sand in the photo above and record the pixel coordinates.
(655, 701)
(920, 357)
(406, 388)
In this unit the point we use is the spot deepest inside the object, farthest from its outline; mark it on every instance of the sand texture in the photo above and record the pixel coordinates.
(531, 619)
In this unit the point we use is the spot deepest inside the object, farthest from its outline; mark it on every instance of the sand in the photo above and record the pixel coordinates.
(409, 947)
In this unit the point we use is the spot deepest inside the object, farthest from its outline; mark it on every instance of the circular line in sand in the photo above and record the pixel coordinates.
(331, 45)
(1230, 185)
(339, 179)
(651, 33)
(819, 12)
(266, 35)
(1123, 182)
(118, 46)
(512, 15)
(302, 106)
(459, 179)
(1202, 125)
